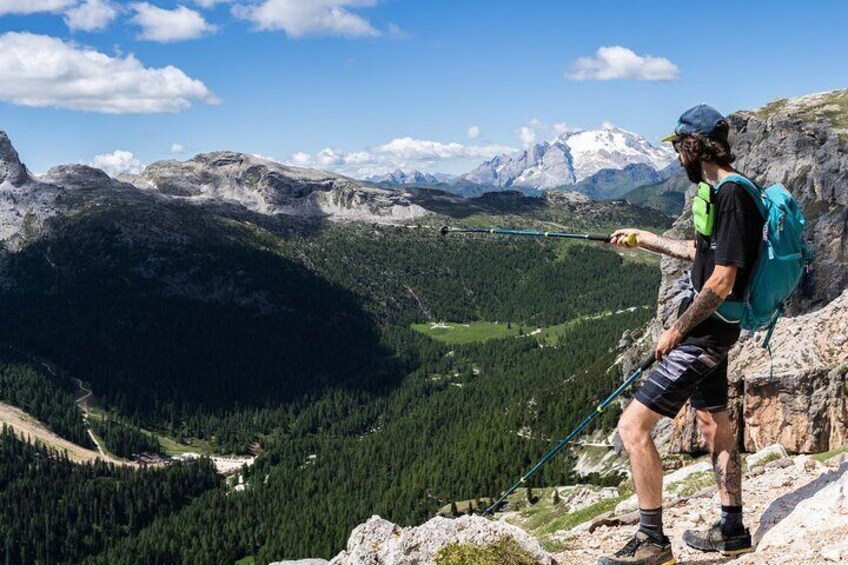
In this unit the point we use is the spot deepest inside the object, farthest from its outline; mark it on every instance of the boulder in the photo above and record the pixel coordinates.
(772, 452)
(379, 541)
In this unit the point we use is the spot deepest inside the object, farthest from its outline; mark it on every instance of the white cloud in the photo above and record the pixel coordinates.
(473, 132)
(42, 71)
(618, 62)
(210, 3)
(535, 130)
(396, 32)
(527, 135)
(91, 15)
(34, 6)
(562, 128)
(177, 149)
(300, 18)
(301, 159)
(165, 26)
(400, 153)
(117, 162)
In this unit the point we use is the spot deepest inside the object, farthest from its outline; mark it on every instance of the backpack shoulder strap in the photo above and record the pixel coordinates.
(754, 191)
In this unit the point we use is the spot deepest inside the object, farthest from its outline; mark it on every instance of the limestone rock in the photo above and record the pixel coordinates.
(267, 187)
(12, 171)
(379, 541)
(774, 451)
(809, 520)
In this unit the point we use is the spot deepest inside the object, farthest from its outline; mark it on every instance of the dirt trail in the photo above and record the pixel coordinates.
(34, 430)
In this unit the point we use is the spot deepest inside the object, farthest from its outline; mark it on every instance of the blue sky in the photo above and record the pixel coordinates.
(365, 85)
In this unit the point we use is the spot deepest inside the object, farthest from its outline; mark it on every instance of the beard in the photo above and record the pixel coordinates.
(693, 171)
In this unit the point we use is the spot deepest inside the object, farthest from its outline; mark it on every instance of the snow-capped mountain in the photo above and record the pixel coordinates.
(414, 177)
(571, 158)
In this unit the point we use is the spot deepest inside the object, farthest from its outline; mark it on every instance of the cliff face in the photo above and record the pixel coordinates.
(799, 403)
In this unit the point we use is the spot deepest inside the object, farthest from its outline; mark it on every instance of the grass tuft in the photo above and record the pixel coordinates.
(505, 551)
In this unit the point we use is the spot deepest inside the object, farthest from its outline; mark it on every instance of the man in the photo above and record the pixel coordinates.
(692, 353)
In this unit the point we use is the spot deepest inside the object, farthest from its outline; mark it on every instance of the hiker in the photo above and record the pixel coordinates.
(692, 353)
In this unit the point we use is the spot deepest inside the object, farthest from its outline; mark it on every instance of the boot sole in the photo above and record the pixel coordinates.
(737, 552)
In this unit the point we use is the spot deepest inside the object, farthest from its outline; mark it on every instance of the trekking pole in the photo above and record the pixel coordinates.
(445, 230)
(595, 413)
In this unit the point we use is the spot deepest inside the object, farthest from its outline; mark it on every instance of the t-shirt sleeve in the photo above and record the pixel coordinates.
(732, 235)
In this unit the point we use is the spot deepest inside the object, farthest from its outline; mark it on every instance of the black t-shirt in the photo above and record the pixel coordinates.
(735, 242)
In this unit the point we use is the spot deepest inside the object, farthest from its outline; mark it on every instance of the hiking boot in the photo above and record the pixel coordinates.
(642, 549)
(714, 540)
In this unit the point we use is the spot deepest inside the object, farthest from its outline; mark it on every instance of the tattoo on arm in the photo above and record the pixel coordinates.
(704, 304)
(727, 468)
(682, 249)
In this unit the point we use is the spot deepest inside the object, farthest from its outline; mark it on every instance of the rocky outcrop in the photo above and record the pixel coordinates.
(25, 203)
(802, 143)
(379, 541)
(809, 525)
(12, 171)
(798, 399)
(268, 187)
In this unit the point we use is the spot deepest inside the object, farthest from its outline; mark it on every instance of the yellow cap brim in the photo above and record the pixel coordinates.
(670, 138)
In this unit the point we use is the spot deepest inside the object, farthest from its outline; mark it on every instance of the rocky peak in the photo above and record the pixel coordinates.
(571, 158)
(11, 168)
(77, 176)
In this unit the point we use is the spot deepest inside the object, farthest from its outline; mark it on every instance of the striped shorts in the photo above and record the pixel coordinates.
(689, 371)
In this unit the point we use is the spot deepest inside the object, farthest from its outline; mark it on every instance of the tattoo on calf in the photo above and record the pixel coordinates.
(704, 304)
(727, 468)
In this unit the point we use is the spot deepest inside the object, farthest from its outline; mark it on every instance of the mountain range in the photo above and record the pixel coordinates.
(602, 164)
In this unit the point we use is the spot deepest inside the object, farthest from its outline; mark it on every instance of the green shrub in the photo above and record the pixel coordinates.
(505, 551)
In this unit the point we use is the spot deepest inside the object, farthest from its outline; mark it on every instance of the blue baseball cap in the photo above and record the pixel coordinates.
(702, 120)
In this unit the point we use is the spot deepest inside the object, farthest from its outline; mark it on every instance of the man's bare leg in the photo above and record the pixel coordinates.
(634, 428)
(729, 536)
(727, 464)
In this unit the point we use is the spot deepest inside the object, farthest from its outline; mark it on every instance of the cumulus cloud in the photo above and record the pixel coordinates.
(42, 71)
(300, 18)
(34, 6)
(535, 130)
(91, 15)
(117, 162)
(473, 132)
(210, 3)
(618, 62)
(400, 153)
(177, 149)
(301, 159)
(165, 26)
(396, 32)
(527, 135)
(563, 128)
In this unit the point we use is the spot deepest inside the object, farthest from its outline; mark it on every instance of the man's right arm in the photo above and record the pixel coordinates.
(680, 248)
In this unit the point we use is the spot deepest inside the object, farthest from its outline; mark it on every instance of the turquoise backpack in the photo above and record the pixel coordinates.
(782, 260)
